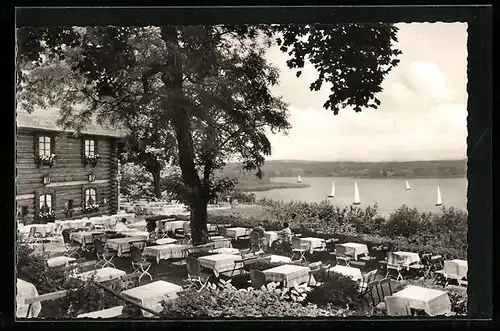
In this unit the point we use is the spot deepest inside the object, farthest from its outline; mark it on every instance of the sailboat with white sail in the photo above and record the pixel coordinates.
(439, 201)
(357, 201)
(332, 192)
(299, 179)
(408, 186)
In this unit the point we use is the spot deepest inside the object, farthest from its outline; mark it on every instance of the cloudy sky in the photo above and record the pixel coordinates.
(423, 115)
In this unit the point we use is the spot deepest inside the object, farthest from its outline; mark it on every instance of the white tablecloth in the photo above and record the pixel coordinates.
(151, 295)
(278, 258)
(355, 249)
(121, 245)
(165, 252)
(220, 262)
(43, 229)
(236, 232)
(405, 259)
(107, 221)
(271, 236)
(105, 313)
(222, 243)
(226, 250)
(136, 234)
(84, 237)
(73, 224)
(354, 273)
(25, 291)
(288, 274)
(462, 268)
(59, 261)
(165, 241)
(101, 275)
(173, 225)
(314, 243)
(433, 302)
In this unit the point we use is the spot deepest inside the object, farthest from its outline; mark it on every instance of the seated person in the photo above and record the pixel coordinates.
(260, 230)
(121, 226)
(286, 234)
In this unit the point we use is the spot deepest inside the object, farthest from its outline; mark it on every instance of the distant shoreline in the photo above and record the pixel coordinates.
(375, 177)
(270, 186)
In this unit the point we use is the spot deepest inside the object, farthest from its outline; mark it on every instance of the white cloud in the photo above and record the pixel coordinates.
(422, 115)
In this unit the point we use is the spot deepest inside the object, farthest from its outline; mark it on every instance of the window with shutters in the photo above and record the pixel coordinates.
(90, 204)
(89, 147)
(44, 146)
(46, 206)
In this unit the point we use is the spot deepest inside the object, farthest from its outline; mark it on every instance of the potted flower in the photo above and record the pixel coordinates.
(49, 160)
(91, 208)
(92, 160)
(47, 216)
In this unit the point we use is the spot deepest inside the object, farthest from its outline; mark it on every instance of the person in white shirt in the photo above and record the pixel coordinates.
(121, 226)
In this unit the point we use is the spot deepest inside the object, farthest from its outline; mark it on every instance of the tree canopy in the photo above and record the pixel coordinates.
(197, 94)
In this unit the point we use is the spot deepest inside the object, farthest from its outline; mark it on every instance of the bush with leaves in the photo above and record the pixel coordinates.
(136, 182)
(82, 297)
(339, 290)
(225, 301)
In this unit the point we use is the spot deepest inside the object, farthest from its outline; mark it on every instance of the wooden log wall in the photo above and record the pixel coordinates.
(68, 176)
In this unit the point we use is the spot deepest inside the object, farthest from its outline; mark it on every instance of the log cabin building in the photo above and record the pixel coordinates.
(64, 175)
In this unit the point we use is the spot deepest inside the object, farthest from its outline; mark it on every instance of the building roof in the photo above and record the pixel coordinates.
(46, 119)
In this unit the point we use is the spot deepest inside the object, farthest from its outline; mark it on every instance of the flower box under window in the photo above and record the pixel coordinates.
(92, 160)
(47, 216)
(47, 160)
(93, 208)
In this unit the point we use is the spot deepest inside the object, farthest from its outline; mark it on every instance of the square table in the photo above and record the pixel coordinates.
(221, 242)
(220, 262)
(314, 243)
(151, 295)
(405, 259)
(462, 268)
(355, 249)
(165, 241)
(354, 273)
(173, 225)
(84, 237)
(73, 224)
(212, 228)
(102, 274)
(225, 250)
(25, 291)
(271, 236)
(121, 245)
(236, 232)
(278, 258)
(433, 302)
(136, 234)
(165, 252)
(288, 274)
(105, 313)
(59, 261)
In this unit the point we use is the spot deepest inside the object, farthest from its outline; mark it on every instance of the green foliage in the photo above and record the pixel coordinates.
(226, 301)
(136, 182)
(246, 198)
(83, 296)
(339, 290)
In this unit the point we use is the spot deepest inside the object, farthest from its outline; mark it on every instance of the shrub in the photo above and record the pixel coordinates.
(226, 301)
(136, 182)
(338, 290)
(83, 296)
(245, 198)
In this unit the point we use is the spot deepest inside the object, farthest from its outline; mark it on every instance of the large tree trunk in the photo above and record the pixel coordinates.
(157, 182)
(172, 79)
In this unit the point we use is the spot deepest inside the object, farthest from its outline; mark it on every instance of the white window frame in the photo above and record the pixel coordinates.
(89, 147)
(43, 199)
(44, 146)
(87, 194)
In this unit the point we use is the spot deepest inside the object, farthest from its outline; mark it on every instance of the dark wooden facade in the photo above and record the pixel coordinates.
(69, 176)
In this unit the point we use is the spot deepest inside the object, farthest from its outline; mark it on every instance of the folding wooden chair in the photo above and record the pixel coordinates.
(139, 264)
(104, 258)
(342, 256)
(195, 276)
(70, 249)
(366, 294)
(299, 248)
(315, 269)
(34, 237)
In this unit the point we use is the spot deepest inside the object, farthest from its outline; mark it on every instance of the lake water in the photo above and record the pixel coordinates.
(389, 194)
